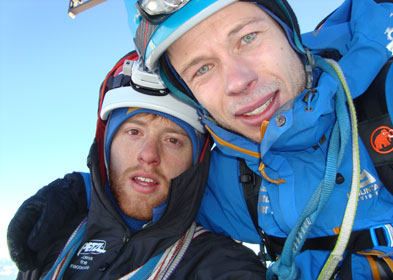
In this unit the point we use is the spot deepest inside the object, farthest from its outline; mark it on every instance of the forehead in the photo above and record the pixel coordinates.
(219, 27)
(230, 16)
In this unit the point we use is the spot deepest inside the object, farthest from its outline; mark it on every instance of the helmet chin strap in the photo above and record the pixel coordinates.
(309, 69)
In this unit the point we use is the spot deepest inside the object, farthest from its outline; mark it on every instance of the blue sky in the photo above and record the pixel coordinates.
(51, 67)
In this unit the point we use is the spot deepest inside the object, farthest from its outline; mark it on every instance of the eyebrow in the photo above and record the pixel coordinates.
(241, 25)
(172, 129)
(176, 130)
(192, 63)
(231, 33)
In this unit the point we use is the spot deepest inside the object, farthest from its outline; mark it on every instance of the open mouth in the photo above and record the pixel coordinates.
(260, 109)
(144, 185)
(144, 181)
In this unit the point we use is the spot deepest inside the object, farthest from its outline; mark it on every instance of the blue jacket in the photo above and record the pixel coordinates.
(360, 31)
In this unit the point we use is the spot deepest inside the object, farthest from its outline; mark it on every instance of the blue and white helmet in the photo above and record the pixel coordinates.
(156, 24)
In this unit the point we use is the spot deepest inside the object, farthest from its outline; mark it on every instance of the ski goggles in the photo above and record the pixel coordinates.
(156, 11)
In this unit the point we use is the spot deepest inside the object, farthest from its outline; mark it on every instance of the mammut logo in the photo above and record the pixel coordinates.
(381, 140)
(93, 247)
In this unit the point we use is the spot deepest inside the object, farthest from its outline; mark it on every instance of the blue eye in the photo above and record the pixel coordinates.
(248, 38)
(203, 69)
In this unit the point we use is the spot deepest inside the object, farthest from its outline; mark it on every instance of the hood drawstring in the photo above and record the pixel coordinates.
(261, 168)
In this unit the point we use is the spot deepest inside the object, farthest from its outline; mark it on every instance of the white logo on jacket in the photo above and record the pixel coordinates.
(369, 186)
(93, 247)
(389, 32)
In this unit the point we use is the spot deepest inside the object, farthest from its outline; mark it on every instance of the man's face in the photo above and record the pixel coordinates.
(240, 67)
(147, 151)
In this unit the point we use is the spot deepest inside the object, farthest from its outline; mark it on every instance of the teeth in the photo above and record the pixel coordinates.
(143, 179)
(260, 109)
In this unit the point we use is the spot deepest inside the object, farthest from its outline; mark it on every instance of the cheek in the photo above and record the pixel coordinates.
(210, 94)
(121, 158)
(114, 158)
(296, 75)
(177, 162)
(117, 165)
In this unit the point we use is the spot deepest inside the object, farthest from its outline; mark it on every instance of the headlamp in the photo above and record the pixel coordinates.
(159, 10)
(142, 80)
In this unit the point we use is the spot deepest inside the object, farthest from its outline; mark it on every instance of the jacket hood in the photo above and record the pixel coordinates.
(185, 195)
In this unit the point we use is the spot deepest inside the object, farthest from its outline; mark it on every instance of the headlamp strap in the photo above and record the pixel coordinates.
(143, 34)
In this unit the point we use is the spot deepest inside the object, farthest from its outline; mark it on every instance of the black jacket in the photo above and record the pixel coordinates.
(209, 256)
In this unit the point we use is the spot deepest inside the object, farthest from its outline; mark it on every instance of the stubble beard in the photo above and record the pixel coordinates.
(299, 85)
(134, 205)
(276, 84)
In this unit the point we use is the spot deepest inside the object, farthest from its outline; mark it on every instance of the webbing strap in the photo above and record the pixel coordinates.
(380, 266)
(162, 266)
(359, 241)
(285, 267)
(251, 183)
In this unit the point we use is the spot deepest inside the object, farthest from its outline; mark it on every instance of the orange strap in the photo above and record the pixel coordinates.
(373, 265)
(262, 170)
(374, 268)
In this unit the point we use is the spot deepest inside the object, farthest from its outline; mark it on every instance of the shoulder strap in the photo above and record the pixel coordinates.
(251, 183)
(375, 126)
(359, 240)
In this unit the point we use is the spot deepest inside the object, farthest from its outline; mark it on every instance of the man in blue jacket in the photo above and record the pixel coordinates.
(281, 109)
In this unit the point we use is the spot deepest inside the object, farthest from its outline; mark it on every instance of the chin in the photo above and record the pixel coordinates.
(139, 213)
(140, 216)
(252, 135)
(256, 139)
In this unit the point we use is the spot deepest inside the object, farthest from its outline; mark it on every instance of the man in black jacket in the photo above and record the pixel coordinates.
(148, 168)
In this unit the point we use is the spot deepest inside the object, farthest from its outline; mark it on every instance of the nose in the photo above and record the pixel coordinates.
(239, 74)
(149, 153)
